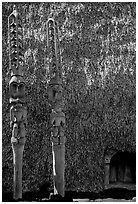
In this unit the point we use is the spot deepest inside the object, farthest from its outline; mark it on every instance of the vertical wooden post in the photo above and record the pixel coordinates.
(57, 117)
(18, 109)
(107, 171)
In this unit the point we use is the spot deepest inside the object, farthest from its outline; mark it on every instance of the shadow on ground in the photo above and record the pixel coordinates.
(41, 196)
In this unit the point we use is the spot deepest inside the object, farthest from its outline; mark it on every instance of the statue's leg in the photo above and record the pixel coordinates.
(58, 152)
(17, 147)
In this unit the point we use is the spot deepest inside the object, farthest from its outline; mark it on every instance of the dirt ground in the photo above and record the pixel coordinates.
(108, 195)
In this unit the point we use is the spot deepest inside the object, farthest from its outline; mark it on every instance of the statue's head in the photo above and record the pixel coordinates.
(55, 89)
(17, 89)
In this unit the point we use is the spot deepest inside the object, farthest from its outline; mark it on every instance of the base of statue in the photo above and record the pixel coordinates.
(18, 148)
(58, 152)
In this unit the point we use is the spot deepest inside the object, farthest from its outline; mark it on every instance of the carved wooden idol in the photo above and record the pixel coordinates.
(57, 117)
(18, 109)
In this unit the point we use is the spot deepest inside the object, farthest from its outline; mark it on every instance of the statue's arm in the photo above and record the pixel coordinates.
(25, 116)
(11, 116)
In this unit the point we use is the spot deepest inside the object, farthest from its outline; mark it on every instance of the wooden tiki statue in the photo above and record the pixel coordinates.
(57, 117)
(18, 109)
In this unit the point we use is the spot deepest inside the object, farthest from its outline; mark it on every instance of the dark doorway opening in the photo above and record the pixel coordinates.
(123, 168)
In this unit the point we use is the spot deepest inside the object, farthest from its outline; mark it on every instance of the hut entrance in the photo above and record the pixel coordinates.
(123, 168)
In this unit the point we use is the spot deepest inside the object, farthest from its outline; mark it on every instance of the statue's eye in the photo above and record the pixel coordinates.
(21, 87)
(14, 86)
(54, 93)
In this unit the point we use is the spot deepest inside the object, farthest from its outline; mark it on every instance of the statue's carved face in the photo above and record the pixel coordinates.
(58, 120)
(17, 89)
(55, 93)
